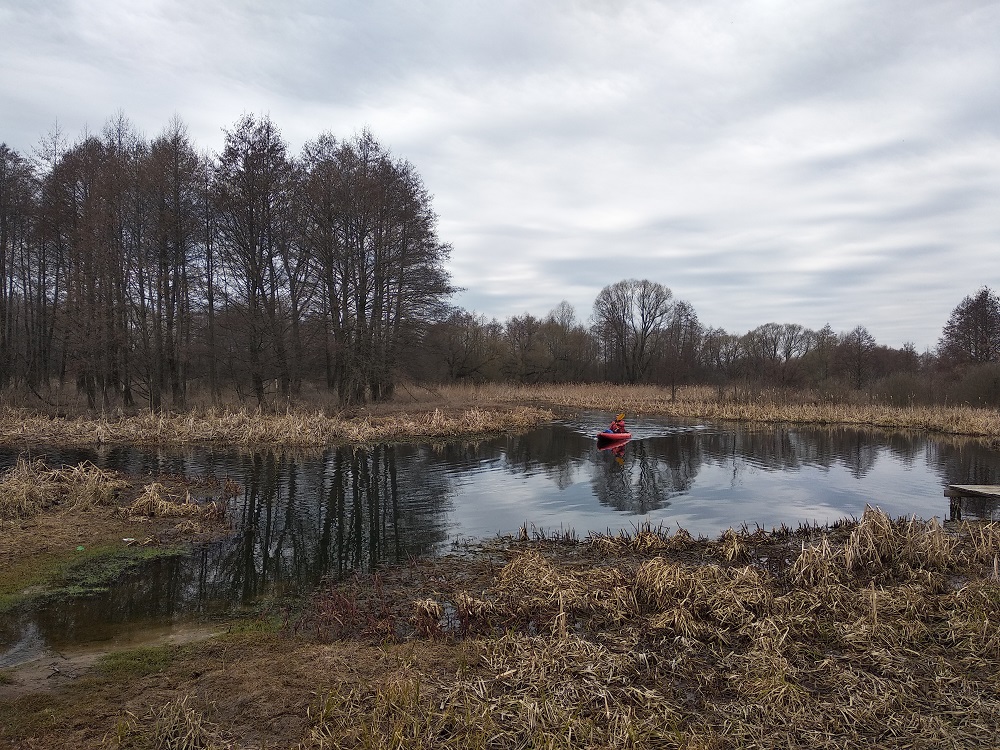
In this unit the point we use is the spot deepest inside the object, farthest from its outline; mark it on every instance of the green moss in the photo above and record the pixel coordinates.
(78, 572)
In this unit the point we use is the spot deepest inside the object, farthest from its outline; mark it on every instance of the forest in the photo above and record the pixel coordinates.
(147, 274)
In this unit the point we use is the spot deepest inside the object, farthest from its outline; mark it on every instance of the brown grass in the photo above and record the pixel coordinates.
(245, 428)
(699, 402)
(156, 502)
(879, 632)
(451, 411)
(31, 487)
(174, 726)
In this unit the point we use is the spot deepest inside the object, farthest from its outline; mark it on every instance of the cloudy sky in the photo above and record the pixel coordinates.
(768, 160)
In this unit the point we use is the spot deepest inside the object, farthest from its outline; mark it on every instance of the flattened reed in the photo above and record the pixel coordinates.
(176, 725)
(156, 502)
(876, 632)
(30, 487)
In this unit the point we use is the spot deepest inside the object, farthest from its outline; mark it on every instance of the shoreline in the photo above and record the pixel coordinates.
(872, 632)
(473, 411)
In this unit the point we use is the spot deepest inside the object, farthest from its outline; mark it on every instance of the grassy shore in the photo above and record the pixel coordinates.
(873, 633)
(475, 410)
(763, 408)
(298, 429)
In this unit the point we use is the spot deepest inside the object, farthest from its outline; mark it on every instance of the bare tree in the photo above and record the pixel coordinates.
(856, 352)
(370, 226)
(17, 194)
(572, 350)
(253, 189)
(628, 319)
(681, 344)
(173, 180)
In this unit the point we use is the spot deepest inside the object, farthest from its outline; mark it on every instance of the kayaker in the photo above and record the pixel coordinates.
(618, 425)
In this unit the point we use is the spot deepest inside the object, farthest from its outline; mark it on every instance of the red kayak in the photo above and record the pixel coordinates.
(613, 437)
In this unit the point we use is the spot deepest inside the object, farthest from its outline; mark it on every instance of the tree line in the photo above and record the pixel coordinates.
(639, 333)
(141, 271)
(137, 269)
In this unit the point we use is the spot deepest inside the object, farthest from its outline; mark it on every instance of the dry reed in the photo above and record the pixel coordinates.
(30, 487)
(483, 409)
(294, 429)
(156, 502)
(878, 632)
(698, 402)
(174, 726)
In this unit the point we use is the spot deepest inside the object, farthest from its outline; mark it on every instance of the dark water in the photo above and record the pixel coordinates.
(299, 518)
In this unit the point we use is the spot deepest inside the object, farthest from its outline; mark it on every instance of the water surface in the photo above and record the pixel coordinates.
(302, 516)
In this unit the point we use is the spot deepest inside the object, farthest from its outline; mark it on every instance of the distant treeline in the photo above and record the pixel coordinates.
(141, 272)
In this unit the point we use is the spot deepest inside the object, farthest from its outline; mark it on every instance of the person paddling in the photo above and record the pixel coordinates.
(618, 426)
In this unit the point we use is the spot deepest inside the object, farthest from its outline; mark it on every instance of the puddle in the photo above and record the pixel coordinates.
(31, 666)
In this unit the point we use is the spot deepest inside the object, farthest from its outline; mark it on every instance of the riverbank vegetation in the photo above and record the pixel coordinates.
(471, 410)
(874, 632)
(69, 530)
(298, 429)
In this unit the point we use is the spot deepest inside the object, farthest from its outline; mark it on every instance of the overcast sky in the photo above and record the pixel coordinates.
(793, 161)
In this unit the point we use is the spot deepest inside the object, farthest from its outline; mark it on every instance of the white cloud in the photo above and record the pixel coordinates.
(769, 160)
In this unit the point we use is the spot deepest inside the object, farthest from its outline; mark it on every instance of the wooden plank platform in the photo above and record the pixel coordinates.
(973, 490)
(981, 492)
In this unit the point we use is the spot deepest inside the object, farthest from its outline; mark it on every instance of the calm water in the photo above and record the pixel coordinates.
(300, 518)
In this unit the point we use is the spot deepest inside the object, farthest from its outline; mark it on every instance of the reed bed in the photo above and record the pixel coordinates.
(30, 487)
(876, 632)
(245, 428)
(483, 409)
(698, 402)
(156, 502)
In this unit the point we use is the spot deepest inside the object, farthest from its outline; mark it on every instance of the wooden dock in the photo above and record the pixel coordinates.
(958, 492)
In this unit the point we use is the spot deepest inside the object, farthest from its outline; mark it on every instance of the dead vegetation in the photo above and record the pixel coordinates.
(764, 407)
(879, 632)
(246, 428)
(874, 632)
(156, 502)
(174, 726)
(454, 410)
(31, 487)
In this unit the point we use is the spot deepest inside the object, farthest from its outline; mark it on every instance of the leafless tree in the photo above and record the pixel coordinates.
(856, 355)
(253, 191)
(371, 228)
(629, 317)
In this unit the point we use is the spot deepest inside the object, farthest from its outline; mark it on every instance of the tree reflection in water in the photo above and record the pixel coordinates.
(299, 520)
(302, 517)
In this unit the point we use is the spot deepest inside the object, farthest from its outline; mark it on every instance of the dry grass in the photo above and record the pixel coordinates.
(174, 726)
(156, 502)
(31, 487)
(475, 410)
(699, 402)
(245, 428)
(877, 633)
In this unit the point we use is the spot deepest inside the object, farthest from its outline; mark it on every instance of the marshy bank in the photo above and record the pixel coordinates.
(874, 632)
(452, 411)
(74, 530)
(864, 633)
